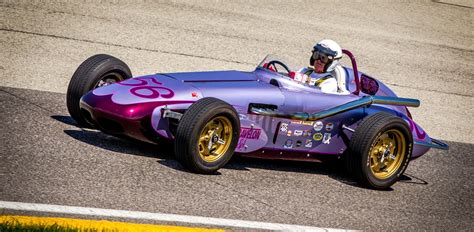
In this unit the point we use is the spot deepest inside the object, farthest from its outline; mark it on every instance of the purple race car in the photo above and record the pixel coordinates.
(209, 116)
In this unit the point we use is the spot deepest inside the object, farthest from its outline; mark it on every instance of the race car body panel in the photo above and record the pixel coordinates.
(149, 107)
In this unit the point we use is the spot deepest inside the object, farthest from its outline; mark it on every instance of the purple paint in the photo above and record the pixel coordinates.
(136, 105)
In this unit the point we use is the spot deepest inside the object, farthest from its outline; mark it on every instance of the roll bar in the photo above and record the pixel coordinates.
(354, 68)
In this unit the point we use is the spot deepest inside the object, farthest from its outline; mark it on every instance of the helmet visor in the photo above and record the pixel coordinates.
(324, 58)
(323, 54)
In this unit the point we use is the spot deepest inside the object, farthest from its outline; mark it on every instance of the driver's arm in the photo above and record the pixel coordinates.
(340, 76)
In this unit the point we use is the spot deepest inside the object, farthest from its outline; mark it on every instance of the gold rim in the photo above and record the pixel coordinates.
(215, 139)
(388, 153)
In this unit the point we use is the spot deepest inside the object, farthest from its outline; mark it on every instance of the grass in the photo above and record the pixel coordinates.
(14, 226)
(51, 224)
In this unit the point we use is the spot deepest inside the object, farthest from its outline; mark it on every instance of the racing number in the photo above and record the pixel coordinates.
(156, 91)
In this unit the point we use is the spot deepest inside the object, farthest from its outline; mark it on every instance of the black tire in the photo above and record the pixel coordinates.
(189, 130)
(365, 138)
(87, 77)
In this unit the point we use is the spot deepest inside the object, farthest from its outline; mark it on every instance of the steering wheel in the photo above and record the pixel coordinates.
(274, 62)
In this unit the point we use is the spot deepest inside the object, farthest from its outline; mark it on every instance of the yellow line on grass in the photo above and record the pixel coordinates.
(89, 225)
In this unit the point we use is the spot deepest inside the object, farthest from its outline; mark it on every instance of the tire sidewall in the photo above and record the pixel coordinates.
(189, 131)
(95, 75)
(86, 77)
(400, 125)
(226, 112)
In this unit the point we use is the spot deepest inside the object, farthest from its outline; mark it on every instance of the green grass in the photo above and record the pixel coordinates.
(15, 226)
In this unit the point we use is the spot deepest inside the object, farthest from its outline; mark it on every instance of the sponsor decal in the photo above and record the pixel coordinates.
(318, 136)
(298, 143)
(308, 123)
(247, 134)
(250, 133)
(242, 116)
(289, 133)
(298, 132)
(288, 144)
(318, 126)
(308, 143)
(241, 144)
(327, 138)
(284, 127)
(306, 133)
(329, 126)
(296, 122)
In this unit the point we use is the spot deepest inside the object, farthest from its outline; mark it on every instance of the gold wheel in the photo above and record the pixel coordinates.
(388, 153)
(215, 139)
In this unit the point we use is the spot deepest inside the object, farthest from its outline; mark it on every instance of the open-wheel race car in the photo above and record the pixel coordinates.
(209, 116)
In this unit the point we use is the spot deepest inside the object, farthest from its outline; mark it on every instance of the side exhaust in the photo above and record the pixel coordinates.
(434, 144)
(364, 101)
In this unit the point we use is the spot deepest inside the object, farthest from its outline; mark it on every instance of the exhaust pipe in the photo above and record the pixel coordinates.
(362, 102)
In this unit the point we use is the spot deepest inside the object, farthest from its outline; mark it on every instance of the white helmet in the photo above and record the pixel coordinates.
(328, 50)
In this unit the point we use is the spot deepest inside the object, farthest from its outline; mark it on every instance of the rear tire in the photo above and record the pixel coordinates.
(207, 121)
(96, 71)
(379, 151)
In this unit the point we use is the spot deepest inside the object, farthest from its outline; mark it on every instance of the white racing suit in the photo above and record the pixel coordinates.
(333, 82)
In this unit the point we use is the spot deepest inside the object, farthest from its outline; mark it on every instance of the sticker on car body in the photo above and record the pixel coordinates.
(318, 126)
(329, 126)
(284, 127)
(317, 136)
(327, 138)
(298, 133)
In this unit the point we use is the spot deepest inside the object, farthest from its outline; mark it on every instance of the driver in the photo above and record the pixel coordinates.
(325, 71)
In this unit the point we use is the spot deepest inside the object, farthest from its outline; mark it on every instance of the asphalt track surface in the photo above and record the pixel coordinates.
(422, 50)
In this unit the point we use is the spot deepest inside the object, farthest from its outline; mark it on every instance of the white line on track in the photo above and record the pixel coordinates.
(62, 209)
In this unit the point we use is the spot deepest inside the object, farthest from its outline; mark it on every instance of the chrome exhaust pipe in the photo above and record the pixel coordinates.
(362, 102)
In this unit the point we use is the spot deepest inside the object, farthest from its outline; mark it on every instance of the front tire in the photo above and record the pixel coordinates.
(207, 135)
(97, 71)
(379, 150)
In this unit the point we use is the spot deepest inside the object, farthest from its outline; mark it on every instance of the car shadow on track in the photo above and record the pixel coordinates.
(65, 119)
(115, 144)
(331, 167)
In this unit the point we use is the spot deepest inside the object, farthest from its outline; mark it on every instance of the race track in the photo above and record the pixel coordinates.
(422, 50)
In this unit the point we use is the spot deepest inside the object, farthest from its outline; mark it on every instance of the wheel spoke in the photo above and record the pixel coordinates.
(219, 130)
(392, 156)
(374, 164)
(205, 130)
(203, 149)
(375, 167)
(204, 139)
(214, 140)
(209, 145)
(391, 148)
